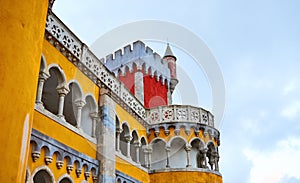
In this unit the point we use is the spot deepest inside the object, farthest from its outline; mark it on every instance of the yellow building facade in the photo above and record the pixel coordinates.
(70, 117)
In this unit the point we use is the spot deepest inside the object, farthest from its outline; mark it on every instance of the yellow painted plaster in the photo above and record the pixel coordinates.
(187, 177)
(62, 134)
(132, 171)
(22, 26)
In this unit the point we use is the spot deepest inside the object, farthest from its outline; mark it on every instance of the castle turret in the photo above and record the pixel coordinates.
(171, 60)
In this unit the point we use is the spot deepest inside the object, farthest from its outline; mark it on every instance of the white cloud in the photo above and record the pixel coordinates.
(289, 87)
(291, 111)
(274, 166)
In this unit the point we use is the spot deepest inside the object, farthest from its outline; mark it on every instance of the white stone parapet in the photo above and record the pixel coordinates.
(179, 113)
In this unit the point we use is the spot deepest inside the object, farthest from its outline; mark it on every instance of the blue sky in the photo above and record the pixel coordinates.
(257, 45)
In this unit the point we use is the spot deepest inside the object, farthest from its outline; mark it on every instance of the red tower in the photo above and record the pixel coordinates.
(145, 74)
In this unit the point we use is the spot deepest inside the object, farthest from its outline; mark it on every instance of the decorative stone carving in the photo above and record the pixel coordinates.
(48, 160)
(70, 168)
(86, 175)
(35, 155)
(59, 164)
(78, 172)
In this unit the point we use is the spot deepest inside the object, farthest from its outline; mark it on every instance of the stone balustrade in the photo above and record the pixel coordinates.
(179, 113)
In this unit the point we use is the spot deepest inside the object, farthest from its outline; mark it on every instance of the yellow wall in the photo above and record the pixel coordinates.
(62, 134)
(22, 26)
(187, 177)
(132, 171)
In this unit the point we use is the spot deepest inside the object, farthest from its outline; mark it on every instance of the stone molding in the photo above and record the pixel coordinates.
(52, 146)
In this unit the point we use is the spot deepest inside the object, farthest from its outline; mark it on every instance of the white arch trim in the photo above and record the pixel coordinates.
(43, 167)
(176, 137)
(158, 138)
(65, 176)
(93, 101)
(61, 78)
(78, 87)
(197, 138)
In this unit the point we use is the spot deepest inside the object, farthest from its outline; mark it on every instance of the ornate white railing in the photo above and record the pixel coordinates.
(179, 113)
(94, 65)
(95, 69)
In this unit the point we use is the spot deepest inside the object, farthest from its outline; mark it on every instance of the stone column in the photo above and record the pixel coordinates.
(216, 158)
(211, 161)
(79, 104)
(188, 149)
(118, 132)
(139, 86)
(137, 151)
(168, 149)
(144, 148)
(95, 117)
(43, 76)
(149, 157)
(62, 92)
(128, 139)
(105, 135)
(204, 151)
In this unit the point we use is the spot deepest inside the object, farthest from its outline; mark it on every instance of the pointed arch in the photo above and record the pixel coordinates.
(197, 157)
(177, 152)
(159, 154)
(42, 174)
(134, 145)
(72, 101)
(142, 147)
(50, 95)
(89, 115)
(65, 178)
(124, 137)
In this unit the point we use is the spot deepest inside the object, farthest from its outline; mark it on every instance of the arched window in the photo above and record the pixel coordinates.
(89, 114)
(197, 158)
(71, 99)
(42, 176)
(177, 153)
(50, 97)
(124, 137)
(159, 155)
(142, 154)
(134, 144)
(65, 180)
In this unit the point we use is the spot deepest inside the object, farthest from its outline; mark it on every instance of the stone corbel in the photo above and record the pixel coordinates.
(70, 168)
(48, 160)
(59, 164)
(35, 155)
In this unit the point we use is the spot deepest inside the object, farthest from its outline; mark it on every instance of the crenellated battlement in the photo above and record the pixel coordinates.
(140, 56)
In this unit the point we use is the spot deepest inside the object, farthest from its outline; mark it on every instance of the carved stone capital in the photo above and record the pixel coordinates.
(62, 90)
(188, 148)
(79, 103)
(128, 139)
(43, 76)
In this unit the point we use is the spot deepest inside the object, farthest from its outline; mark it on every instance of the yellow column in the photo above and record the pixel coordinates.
(22, 26)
